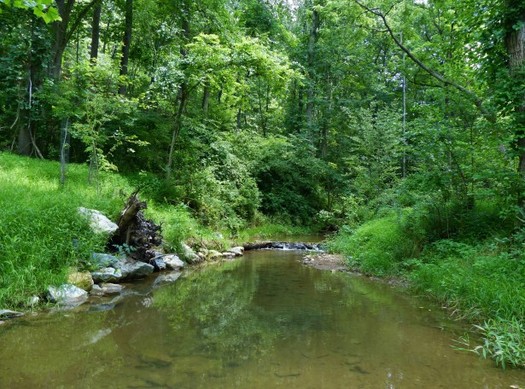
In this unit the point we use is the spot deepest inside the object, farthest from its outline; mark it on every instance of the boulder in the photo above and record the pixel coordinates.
(228, 255)
(188, 254)
(158, 263)
(98, 222)
(237, 251)
(96, 290)
(67, 294)
(131, 269)
(173, 262)
(107, 274)
(81, 279)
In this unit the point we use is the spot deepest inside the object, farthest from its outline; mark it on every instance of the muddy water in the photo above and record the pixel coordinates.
(262, 322)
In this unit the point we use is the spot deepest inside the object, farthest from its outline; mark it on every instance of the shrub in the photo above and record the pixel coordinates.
(378, 246)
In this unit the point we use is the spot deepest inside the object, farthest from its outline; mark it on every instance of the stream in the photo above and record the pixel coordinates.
(263, 321)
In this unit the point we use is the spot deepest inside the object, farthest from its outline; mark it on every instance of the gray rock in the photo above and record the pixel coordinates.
(97, 221)
(8, 314)
(100, 260)
(107, 274)
(188, 254)
(134, 269)
(237, 251)
(67, 294)
(158, 264)
(173, 262)
(96, 290)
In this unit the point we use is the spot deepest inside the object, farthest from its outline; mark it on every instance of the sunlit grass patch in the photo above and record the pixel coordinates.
(41, 232)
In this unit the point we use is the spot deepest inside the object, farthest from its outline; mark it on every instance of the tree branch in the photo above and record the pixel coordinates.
(79, 18)
(438, 76)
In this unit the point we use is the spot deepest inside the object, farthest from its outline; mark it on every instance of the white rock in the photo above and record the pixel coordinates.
(189, 254)
(237, 251)
(67, 294)
(173, 261)
(97, 221)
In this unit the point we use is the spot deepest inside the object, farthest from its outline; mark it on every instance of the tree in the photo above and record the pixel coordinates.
(126, 43)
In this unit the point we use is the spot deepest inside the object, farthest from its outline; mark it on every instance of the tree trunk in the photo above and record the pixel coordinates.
(126, 45)
(95, 32)
(515, 44)
(184, 89)
(206, 98)
(183, 96)
(312, 41)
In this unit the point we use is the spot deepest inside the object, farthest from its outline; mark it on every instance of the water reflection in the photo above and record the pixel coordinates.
(262, 322)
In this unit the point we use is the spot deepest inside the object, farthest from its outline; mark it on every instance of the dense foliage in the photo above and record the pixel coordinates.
(400, 124)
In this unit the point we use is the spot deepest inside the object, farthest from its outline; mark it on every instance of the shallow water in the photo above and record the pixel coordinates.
(264, 321)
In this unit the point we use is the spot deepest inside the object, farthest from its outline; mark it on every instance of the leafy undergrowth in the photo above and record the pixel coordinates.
(481, 282)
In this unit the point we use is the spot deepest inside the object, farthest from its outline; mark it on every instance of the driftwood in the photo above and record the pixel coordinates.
(136, 232)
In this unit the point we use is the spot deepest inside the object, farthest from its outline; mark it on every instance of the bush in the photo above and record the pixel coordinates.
(378, 246)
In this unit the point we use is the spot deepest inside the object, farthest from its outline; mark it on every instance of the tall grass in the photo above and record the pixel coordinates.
(41, 233)
(377, 247)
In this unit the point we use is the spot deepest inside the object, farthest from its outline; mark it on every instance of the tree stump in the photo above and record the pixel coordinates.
(136, 232)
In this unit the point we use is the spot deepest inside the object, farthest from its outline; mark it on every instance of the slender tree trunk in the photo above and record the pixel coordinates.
(64, 150)
(206, 98)
(515, 43)
(184, 90)
(312, 41)
(95, 32)
(25, 139)
(177, 125)
(126, 45)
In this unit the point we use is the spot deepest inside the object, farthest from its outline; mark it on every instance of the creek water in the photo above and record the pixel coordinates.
(263, 321)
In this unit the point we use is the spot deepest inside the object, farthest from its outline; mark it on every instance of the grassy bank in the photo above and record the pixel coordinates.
(42, 236)
(479, 280)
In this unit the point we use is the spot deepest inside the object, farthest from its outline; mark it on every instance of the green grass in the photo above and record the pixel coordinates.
(377, 247)
(41, 234)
